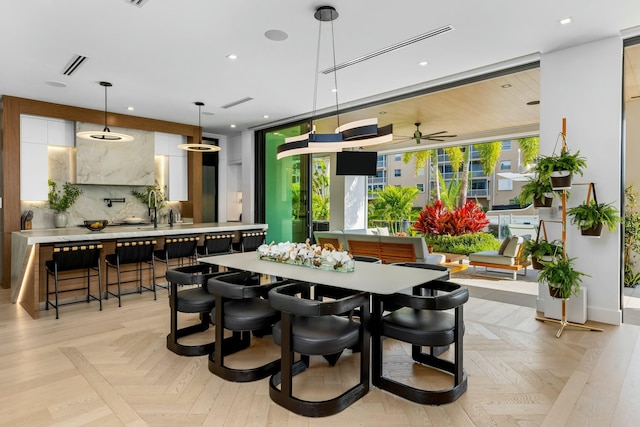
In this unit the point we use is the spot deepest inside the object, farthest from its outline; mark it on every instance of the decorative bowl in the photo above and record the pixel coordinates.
(96, 224)
(132, 220)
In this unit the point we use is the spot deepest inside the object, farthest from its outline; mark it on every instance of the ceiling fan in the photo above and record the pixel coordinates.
(419, 136)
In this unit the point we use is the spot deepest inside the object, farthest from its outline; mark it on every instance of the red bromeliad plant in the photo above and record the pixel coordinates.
(436, 219)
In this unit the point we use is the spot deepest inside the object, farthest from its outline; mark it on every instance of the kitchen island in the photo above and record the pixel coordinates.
(30, 249)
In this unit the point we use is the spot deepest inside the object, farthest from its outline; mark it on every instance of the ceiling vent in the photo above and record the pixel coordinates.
(73, 64)
(388, 49)
(238, 102)
(138, 3)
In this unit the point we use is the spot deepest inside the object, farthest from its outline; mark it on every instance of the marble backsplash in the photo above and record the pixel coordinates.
(91, 206)
(114, 162)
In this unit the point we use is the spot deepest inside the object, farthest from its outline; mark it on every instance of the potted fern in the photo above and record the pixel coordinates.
(539, 191)
(561, 168)
(591, 217)
(561, 277)
(61, 200)
(542, 251)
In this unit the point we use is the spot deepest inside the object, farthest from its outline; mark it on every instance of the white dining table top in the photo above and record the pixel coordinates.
(367, 277)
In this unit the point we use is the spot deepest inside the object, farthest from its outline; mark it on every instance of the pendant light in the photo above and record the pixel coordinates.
(106, 134)
(199, 147)
(361, 133)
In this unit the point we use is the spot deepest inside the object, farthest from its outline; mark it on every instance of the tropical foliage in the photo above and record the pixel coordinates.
(437, 219)
(392, 204)
(320, 188)
(565, 161)
(463, 244)
(631, 221)
(529, 149)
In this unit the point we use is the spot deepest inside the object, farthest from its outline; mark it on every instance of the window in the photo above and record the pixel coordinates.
(397, 157)
(505, 184)
(506, 145)
(505, 165)
(421, 172)
(397, 172)
(420, 187)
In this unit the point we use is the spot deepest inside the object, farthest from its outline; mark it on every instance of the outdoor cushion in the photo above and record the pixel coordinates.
(512, 248)
(491, 257)
(504, 244)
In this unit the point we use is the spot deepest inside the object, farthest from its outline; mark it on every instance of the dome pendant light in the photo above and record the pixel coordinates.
(201, 147)
(106, 134)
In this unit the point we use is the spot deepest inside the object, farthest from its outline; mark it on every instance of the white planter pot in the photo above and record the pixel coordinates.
(60, 219)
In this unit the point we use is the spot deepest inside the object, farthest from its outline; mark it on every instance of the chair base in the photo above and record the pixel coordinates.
(313, 408)
(239, 341)
(421, 396)
(190, 350)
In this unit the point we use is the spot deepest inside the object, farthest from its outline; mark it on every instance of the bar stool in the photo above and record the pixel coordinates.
(216, 244)
(69, 257)
(135, 252)
(250, 240)
(177, 248)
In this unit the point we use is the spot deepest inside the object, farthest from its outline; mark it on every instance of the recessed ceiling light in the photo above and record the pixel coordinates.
(505, 86)
(56, 84)
(382, 113)
(266, 116)
(232, 56)
(233, 126)
(276, 35)
(536, 102)
(334, 90)
(208, 113)
(423, 63)
(565, 21)
(130, 108)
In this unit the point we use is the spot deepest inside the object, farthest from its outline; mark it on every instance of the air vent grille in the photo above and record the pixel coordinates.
(74, 63)
(138, 3)
(238, 102)
(388, 49)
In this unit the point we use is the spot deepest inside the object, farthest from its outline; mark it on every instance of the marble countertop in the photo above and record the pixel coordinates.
(76, 233)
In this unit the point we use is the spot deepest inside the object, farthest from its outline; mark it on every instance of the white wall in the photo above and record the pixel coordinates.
(584, 85)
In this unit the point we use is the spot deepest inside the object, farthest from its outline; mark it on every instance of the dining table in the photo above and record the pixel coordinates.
(366, 277)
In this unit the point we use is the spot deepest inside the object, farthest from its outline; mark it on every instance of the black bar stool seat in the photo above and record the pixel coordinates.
(79, 257)
(135, 252)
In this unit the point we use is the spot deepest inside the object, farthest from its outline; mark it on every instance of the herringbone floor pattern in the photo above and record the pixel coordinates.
(112, 368)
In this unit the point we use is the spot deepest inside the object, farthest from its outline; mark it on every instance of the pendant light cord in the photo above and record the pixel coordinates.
(315, 86)
(335, 72)
(106, 128)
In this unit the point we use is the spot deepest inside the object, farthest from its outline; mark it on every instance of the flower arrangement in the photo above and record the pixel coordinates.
(325, 257)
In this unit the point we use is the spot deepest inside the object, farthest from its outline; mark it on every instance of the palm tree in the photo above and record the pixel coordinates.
(393, 204)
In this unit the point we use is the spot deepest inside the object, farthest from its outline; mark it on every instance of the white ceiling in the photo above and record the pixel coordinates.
(167, 54)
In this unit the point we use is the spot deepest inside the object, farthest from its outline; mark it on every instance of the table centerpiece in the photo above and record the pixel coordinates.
(323, 257)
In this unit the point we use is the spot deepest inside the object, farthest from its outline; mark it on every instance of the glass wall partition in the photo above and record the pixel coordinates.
(286, 188)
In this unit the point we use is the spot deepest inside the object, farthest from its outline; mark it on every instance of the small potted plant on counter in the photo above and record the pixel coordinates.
(61, 200)
(561, 277)
(592, 216)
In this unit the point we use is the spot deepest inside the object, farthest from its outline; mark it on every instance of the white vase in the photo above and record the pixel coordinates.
(60, 219)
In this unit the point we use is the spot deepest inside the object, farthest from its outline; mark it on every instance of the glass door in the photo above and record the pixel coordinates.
(287, 190)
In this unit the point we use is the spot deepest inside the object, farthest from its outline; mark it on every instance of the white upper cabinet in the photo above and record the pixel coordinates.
(177, 183)
(36, 135)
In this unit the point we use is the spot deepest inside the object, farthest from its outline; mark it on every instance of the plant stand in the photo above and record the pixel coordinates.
(564, 322)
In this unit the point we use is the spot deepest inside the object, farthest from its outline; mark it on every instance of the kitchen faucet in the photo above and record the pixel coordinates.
(154, 207)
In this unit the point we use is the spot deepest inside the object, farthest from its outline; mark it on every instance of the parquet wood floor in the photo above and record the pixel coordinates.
(112, 368)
